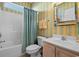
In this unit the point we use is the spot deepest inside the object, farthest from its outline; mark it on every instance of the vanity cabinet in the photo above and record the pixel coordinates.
(48, 50)
(64, 53)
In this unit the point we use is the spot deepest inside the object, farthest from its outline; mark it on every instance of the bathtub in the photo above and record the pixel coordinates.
(14, 51)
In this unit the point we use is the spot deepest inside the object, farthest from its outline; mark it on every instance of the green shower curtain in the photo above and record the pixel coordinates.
(30, 28)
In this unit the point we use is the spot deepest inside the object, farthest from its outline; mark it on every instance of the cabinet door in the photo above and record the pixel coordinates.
(48, 50)
(64, 53)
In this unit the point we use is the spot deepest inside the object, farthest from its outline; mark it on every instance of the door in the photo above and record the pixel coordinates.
(64, 53)
(48, 50)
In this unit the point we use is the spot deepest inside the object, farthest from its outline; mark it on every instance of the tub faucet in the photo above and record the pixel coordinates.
(0, 46)
(2, 41)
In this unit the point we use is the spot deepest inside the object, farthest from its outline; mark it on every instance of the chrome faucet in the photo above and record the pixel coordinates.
(2, 41)
(0, 46)
(63, 38)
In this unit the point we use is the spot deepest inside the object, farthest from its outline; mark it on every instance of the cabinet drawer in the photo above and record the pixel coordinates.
(48, 50)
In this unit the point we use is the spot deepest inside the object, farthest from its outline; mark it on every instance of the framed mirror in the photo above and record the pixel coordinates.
(66, 12)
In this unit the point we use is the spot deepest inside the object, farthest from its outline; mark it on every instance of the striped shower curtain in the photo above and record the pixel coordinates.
(30, 28)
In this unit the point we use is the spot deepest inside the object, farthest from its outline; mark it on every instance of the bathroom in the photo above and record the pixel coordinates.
(39, 29)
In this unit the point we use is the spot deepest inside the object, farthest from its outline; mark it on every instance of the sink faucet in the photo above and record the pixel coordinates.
(63, 38)
(2, 41)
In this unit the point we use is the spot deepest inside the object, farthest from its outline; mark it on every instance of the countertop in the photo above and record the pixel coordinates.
(70, 45)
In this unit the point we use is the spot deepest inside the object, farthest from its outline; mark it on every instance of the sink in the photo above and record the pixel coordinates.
(64, 43)
(69, 43)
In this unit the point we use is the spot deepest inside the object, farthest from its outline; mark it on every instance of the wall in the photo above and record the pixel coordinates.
(72, 29)
(42, 6)
(48, 15)
(1, 5)
(25, 4)
(78, 18)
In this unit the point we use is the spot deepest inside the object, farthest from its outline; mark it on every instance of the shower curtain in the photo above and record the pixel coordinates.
(30, 28)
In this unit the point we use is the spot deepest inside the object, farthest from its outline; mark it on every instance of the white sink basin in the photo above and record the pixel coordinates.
(72, 45)
(62, 42)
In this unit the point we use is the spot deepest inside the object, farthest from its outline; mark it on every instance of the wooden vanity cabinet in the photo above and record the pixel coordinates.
(48, 50)
(64, 53)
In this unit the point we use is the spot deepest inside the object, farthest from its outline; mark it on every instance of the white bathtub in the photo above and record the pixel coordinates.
(14, 51)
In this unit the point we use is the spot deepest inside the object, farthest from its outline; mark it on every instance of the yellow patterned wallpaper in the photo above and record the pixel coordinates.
(70, 29)
(25, 4)
(65, 30)
(1, 5)
(49, 17)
